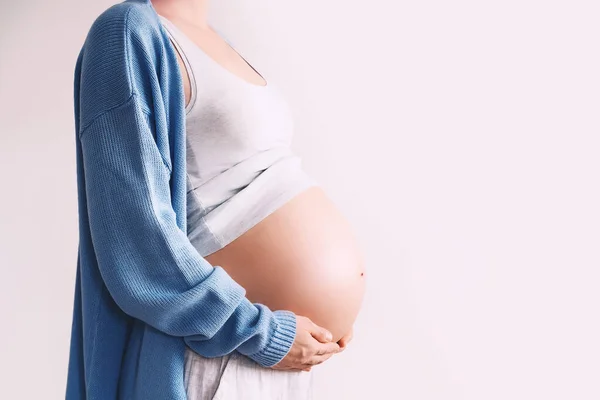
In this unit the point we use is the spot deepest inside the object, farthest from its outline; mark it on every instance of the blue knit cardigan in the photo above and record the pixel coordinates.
(143, 292)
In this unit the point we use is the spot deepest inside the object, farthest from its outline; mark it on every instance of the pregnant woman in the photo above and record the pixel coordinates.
(210, 265)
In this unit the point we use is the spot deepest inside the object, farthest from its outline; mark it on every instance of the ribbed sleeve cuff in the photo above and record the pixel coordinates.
(283, 333)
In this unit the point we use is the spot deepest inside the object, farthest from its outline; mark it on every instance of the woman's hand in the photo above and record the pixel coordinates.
(343, 342)
(311, 346)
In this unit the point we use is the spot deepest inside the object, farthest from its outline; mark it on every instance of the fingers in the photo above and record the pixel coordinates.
(343, 342)
(327, 348)
(322, 354)
(312, 345)
(319, 359)
(321, 334)
(316, 354)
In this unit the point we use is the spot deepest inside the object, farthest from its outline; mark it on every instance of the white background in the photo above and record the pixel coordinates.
(460, 138)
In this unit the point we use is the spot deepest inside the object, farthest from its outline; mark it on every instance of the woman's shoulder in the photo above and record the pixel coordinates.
(121, 55)
(129, 17)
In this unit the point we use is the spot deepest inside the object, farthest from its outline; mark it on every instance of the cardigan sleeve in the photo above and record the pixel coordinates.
(149, 266)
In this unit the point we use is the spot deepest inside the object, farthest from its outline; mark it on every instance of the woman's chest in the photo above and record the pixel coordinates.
(232, 122)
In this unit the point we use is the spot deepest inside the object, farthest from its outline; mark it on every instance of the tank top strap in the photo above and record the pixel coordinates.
(180, 42)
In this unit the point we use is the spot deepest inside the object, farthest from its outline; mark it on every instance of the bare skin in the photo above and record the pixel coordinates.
(313, 344)
(301, 258)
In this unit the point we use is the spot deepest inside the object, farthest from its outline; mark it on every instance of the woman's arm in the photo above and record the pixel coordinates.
(126, 99)
(148, 264)
(146, 261)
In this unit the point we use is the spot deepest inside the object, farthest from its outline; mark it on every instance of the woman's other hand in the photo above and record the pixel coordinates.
(311, 346)
(343, 342)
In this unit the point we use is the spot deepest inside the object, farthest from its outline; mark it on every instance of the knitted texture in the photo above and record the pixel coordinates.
(142, 291)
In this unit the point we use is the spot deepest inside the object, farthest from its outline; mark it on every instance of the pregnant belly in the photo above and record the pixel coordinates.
(303, 257)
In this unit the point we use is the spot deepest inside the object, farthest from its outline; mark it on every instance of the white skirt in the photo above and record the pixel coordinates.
(237, 377)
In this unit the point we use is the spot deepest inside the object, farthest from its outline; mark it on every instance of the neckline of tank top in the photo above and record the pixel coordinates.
(213, 61)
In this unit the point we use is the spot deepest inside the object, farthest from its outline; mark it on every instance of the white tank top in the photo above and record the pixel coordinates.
(240, 165)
